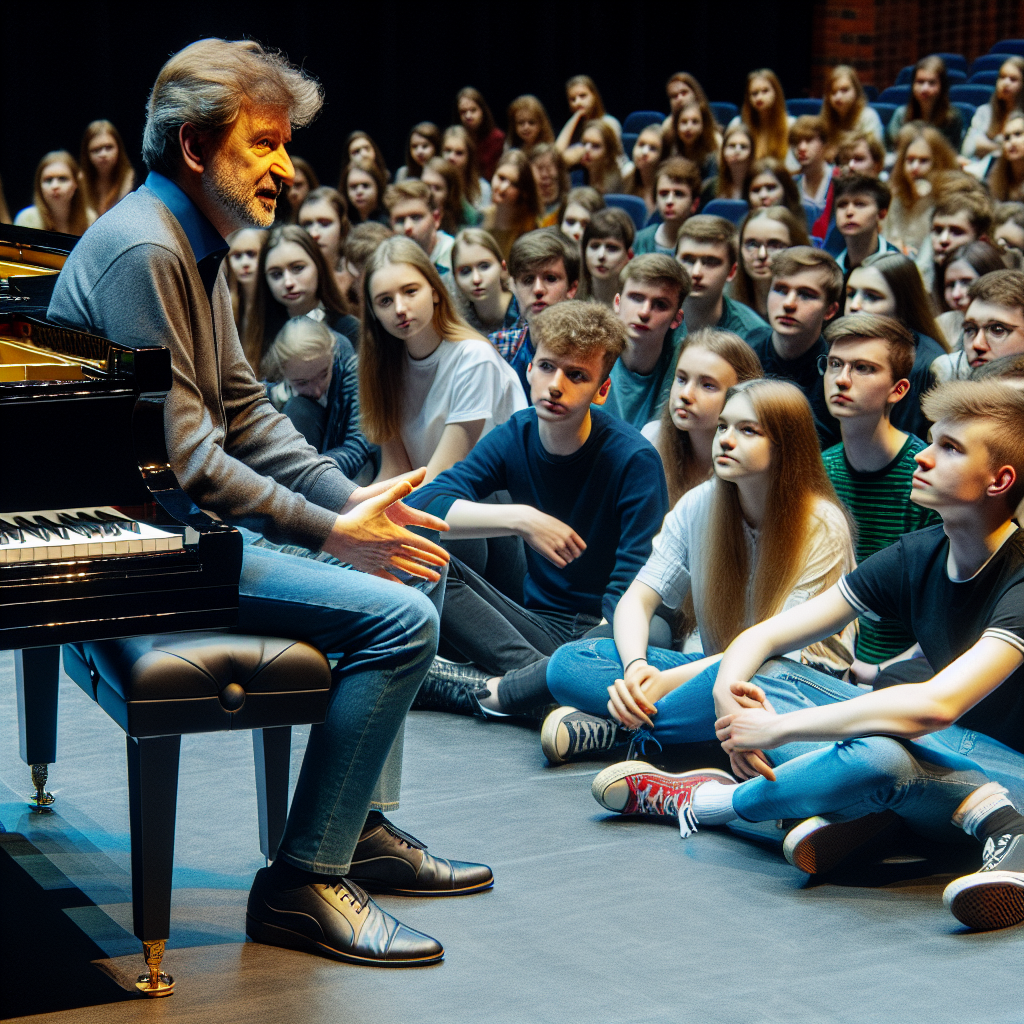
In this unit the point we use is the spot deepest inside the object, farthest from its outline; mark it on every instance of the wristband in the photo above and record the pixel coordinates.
(633, 662)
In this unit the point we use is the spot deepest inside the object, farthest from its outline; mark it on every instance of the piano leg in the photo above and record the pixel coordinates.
(36, 671)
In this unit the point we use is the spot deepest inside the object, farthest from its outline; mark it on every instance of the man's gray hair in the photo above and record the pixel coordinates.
(206, 84)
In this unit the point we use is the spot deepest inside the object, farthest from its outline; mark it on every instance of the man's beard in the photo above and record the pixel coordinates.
(237, 199)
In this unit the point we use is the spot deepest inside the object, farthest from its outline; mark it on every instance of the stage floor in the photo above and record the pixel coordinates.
(592, 918)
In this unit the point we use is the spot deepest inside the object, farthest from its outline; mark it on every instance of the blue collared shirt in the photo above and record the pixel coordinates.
(204, 238)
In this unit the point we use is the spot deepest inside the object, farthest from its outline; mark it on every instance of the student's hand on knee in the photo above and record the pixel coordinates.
(548, 536)
(372, 537)
(628, 703)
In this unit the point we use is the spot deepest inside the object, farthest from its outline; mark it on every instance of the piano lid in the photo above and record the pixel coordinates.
(30, 261)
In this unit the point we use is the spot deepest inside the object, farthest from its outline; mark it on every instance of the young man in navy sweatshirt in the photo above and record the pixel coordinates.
(588, 495)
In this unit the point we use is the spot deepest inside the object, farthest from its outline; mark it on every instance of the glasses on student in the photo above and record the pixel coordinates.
(994, 331)
(752, 245)
(835, 365)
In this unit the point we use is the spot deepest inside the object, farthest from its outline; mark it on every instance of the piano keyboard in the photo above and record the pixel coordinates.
(53, 535)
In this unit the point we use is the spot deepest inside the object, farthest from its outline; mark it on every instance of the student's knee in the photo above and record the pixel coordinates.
(580, 667)
(880, 761)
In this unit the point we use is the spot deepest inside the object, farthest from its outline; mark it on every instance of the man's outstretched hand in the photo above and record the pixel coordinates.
(370, 533)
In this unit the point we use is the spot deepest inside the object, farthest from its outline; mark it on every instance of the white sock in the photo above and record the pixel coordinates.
(712, 803)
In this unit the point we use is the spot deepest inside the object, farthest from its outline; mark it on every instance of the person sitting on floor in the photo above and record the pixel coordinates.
(588, 494)
(652, 289)
(766, 533)
(708, 248)
(945, 755)
(318, 390)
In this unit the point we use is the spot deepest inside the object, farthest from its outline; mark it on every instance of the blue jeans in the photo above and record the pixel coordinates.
(923, 780)
(384, 635)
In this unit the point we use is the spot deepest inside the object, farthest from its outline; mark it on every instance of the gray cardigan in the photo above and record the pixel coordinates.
(133, 279)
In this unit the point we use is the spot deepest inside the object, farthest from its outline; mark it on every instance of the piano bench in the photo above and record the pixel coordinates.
(159, 687)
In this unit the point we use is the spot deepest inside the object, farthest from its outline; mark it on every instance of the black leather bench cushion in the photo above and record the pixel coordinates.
(202, 682)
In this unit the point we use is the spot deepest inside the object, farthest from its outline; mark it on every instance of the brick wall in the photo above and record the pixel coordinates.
(879, 37)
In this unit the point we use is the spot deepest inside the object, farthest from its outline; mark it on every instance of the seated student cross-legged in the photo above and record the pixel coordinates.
(765, 534)
(945, 755)
(588, 494)
(867, 374)
(545, 269)
(649, 303)
(807, 285)
(708, 248)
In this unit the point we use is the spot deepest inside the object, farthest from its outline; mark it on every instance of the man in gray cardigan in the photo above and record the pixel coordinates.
(218, 119)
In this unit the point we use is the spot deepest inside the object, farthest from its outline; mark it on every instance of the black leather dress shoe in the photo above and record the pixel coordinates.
(388, 860)
(338, 921)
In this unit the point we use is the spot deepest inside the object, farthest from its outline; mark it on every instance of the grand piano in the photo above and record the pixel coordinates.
(97, 540)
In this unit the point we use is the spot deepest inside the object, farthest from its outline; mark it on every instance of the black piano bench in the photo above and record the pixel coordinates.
(159, 687)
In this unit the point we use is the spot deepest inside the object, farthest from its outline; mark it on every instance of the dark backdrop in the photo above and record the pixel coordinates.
(384, 66)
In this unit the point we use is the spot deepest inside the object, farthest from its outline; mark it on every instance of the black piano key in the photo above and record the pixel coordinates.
(49, 524)
(11, 533)
(90, 529)
(39, 532)
(125, 524)
(82, 529)
(108, 529)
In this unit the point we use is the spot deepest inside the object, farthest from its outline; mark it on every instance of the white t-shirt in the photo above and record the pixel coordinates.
(652, 431)
(459, 382)
(678, 562)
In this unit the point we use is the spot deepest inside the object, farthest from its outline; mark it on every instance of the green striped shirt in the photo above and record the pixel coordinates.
(881, 507)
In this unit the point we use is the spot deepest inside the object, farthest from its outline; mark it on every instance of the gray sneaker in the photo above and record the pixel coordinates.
(449, 686)
(567, 733)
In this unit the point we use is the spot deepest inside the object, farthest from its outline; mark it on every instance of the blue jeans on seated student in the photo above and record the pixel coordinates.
(923, 780)
(384, 635)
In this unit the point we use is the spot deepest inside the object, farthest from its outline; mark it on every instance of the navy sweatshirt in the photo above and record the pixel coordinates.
(611, 492)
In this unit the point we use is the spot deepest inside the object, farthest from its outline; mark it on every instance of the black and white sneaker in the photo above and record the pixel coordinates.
(568, 733)
(993, 897)
(449, 686)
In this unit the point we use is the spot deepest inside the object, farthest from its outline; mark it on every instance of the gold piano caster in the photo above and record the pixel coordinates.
(40, 800)
(155, 983)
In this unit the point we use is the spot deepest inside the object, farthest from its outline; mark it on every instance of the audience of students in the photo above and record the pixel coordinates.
(764, 233)
(57, 201)
(710, 361)
(929, 102)
(606, 247)
(107, 173)
(677, 195)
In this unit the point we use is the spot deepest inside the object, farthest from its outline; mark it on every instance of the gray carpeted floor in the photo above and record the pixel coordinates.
(592, 918)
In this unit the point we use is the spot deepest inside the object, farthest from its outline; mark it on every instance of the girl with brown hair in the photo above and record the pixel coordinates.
(482, 277)
(304, 181)
(710, 362)
(763, 233)
(765, 534)
(734, 159)
(324, 214)
(515, 204)
(528, 124)
(586, 105)
(764, 114)
(242, 271)
(445, 184)
(768, 183)
(922, 152)
(475, 116)
(693, 133)
(602, 155)
(423, 145)
(293, 280)
(58, 204)
(929, 102)
(986, 132)
(845, 109)
(429, 386)
(361, 149)
(363, 186)
(1006, 179)
(552, 178)
(641, 179)
(107, 173)
(459, 149)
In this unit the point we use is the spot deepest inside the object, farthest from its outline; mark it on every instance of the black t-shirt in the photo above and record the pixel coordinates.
(908, 581)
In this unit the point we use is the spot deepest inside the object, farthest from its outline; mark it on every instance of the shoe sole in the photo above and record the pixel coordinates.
(986, 900)
(274, 935)
(549, 734)
(618, 772)
(818, 845)
(373, 886)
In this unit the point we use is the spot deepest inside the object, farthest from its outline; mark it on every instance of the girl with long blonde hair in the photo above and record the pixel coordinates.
(107, 173)
(844, 108)
(764, 113)
(764, 535)
(528, 124)
(58, 204)
(429, 385)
